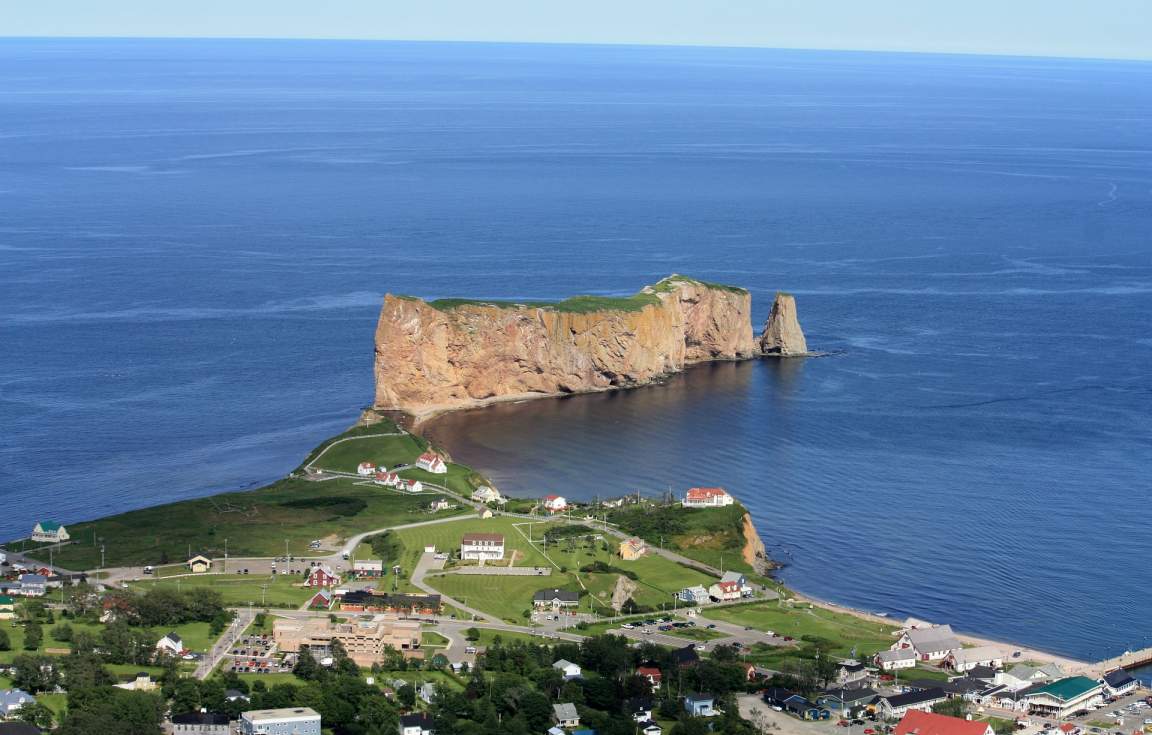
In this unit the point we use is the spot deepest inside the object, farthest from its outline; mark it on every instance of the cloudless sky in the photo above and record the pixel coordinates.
(1097, 28)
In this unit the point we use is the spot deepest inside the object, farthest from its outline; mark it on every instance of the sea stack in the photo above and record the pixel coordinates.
(782, 334)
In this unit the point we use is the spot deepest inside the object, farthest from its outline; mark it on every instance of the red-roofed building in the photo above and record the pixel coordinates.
(432, 462)
(916, 722)
(652, 674)
(365, 468)
(707, 497)
(725, 591)
(555, 504)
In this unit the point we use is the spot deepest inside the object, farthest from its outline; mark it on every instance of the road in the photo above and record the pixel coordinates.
(243, 618)
(428, 562)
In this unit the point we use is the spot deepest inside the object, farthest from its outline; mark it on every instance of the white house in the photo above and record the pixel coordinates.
(294, 720)
(486, 494)
(723, 591)
(1063, 697)
(740, 580)
(439, 504)
(171, 644)
(432, 462)
(482, 546)
(707, 497)
(930, 644)
(426, 692)
(697, 593)
(410, 486)
(1119, 682)
(898, 658)
(555, 504)
(50, 531)
(966, 659)
(33, 585)
(569, 669)
(142, 683)
(12, 700)
(366, 468)
(897, 705)
(418, 723)
(1022, 676)
(387, 479)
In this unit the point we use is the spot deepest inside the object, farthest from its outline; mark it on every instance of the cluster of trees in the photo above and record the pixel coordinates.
(514, 686)
(166, 607)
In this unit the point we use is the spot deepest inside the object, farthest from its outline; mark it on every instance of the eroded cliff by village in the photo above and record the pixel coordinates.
(450, 354)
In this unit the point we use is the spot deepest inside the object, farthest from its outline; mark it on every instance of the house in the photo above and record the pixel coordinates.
(555, 504)
(930, 644)
(566, 715)
(639, 709)
(171, 644)
(486, 494)
(894, 706)
(851, 672)
(19, 728)
(419, 723)
(686, 656)
(199, 564)
(322, 600)
(431, 462)
(50, 532)
(700, 705)
(652, 674)
(200, 723)
(985, 674)
(966, 659)
(555, 599)
(367, 568)
(633, 548)
(322, 575)
(697, 594)
(707, 497)
(33, 585)
(485, 513)
(1063, 697)
(366, 468)
(7, 607)
(739, 580)
(12, 700)
(916, 722)
(482, 546)
(1022, 676)
(777, 696)
(650, 728)
(1118, 683)
(568, 669)
(845, 701)
(899, 658)
(439, 504)
(142, 683)
(410, 486)
(388, 479)
(724, 591)
(426, 692)
(286, 721)
(235, 695)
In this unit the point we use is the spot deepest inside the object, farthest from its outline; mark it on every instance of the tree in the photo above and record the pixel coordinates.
(85, 670)
(36, 714)
(472, 634)
(185, 696)
(952, 707)
(406, 695)
(33, 635)
(34, 673)
(306, 667)
(62, 633)
(5, 641)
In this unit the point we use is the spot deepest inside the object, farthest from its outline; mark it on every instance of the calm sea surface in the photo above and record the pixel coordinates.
(195, 237)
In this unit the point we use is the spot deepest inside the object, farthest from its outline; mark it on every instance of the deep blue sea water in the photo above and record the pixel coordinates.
(195, 237)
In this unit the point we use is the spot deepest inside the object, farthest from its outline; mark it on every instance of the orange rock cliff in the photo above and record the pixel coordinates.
(450, 354)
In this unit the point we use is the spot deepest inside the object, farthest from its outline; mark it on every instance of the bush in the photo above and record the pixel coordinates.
(62, 633)
(602, 567)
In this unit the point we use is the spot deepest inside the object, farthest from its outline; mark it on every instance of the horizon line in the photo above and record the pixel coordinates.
(612, 44)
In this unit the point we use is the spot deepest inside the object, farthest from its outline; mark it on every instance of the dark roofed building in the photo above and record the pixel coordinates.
(200, 723)
(685, 656)
(362, 601)
(555, 599)
(895, 706)
(1119, 682)
(981, 673)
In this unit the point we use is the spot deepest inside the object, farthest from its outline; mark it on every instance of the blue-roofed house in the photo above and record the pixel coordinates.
(13, 699)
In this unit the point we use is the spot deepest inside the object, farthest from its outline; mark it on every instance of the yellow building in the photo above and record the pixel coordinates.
(632, 548)
(199, 564)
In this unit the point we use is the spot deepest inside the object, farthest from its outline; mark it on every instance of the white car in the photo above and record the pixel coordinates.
(628, 626)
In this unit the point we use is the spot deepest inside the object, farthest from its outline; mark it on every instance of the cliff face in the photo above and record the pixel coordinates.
(438, 356)
(782, 334)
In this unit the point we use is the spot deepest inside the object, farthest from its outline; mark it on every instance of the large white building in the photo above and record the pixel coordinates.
(482, 546)
(432, 462)
(930, 644)
(50, 531)
(966, 659)
(707, 497)
(897, 658)
(1065, 697)
(286, 721)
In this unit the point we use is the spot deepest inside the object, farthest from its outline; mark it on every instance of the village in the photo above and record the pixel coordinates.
(421, 607)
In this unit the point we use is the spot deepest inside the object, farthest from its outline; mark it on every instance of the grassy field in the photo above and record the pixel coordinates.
(432, 639)
(488, 636)
(241, 589)
(256, 523)
(509, 597)
(714, 536)
(388, 451)
(840, 630)
(195, 635)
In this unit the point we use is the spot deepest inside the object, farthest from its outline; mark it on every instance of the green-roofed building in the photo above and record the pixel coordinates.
(7, 607)
(50, 532)
(1064, 697)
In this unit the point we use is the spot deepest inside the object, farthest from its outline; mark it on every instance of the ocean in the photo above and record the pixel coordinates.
(195, 237)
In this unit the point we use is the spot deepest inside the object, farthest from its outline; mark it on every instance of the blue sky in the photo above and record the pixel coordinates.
(1102, 28)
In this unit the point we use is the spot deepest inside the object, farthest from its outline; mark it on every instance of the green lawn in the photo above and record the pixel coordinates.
(16, 637)
(432, 639)
(488, 637)
(388, 451)
(439, 678)
(504, 597)
(842, 630)
(446, 537)
(255, 523)
(281, 590)
(714, 536)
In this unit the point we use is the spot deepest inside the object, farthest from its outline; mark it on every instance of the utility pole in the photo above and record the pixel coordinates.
(101, 556)
(225, 556)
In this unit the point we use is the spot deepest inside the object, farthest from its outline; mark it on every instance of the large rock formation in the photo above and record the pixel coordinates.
(782, 334)
(443, 355)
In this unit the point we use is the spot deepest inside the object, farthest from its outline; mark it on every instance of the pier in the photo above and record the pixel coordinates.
(1127, 660)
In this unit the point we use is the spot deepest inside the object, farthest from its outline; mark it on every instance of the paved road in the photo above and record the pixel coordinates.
(428, 562)
(240, 623)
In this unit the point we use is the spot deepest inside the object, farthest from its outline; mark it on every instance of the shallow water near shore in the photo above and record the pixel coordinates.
(195, 237)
